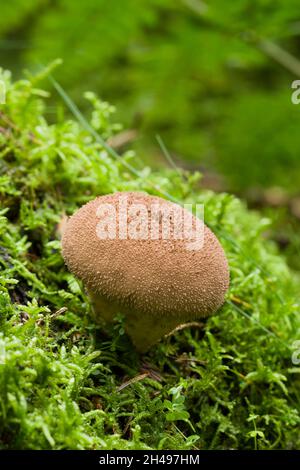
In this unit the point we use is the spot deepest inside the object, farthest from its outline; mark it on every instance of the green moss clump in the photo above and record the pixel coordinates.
(230, 383)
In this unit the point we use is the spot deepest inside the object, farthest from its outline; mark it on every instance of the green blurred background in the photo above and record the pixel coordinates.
(212, 79)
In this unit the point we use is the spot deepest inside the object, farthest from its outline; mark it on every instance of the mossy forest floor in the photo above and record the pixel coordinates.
(65, 383)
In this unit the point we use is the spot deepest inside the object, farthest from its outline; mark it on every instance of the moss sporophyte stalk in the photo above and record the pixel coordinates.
(70, 382)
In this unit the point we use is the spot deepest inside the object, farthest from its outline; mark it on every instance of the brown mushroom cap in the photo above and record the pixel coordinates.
(159, 279)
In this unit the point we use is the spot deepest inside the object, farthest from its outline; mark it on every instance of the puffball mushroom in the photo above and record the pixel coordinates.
(158, 280)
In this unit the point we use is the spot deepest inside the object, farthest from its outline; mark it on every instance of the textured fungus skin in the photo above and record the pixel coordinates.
(157, 284)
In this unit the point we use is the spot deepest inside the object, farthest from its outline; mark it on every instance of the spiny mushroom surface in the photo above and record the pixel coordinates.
(157, 283)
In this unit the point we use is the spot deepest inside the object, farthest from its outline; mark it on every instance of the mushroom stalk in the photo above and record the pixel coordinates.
(144, 331)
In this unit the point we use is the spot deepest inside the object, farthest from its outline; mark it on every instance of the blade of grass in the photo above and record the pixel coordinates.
(167, 155)
(85, 124)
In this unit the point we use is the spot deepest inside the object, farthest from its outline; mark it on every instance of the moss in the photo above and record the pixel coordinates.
(227, 383)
